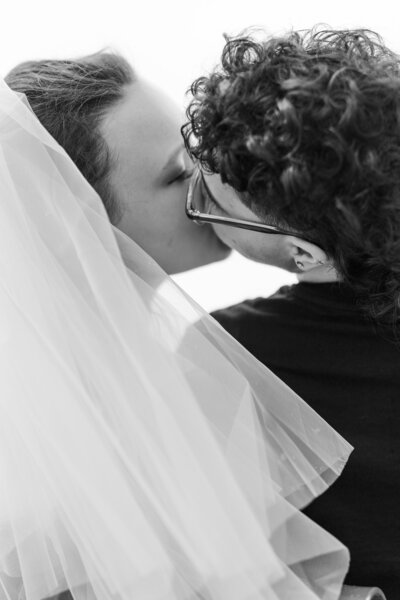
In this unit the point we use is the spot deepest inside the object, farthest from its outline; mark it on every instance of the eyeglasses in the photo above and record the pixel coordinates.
(200, 202)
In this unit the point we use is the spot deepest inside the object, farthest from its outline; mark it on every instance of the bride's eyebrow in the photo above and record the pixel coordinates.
(172, 157)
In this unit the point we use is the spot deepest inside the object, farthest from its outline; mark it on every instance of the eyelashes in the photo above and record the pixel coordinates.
(182, 176)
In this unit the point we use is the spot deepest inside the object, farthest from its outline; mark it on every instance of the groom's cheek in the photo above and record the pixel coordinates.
(228, 236)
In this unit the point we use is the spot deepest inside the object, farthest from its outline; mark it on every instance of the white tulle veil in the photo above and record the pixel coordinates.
(144, 454)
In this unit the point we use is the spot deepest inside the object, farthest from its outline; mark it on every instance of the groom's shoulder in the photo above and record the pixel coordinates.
(254, 311)
(282, 298)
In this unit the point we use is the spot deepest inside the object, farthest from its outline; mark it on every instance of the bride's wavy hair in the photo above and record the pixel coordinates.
(71, 98)
(306, 128)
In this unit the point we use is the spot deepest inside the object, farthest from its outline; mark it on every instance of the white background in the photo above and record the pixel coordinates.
(172, 42)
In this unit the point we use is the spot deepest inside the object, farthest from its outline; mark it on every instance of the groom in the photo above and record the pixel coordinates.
(298, 142)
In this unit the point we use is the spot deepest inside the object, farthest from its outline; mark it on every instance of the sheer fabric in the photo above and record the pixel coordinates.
(144, 454)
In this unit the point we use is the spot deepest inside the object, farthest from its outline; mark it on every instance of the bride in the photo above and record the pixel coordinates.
(124, 136)
(141, 456)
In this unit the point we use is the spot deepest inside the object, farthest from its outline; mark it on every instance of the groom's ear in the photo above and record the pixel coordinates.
(305, 255)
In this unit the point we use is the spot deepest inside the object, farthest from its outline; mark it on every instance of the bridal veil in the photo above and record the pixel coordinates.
(144, 454)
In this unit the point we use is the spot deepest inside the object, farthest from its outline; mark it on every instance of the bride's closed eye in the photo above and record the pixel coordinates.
(181, 176)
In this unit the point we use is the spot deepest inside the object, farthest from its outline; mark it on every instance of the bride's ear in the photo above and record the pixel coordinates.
(306, 255)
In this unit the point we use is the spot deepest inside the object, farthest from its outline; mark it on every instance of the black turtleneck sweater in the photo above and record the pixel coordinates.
(315, 339)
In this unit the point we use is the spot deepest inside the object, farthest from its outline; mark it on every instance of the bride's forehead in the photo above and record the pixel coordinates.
(145, 121)
(145, 110)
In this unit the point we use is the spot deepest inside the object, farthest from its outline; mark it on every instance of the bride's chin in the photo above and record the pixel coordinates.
(225, 251)
(216, 246)
(197, 251)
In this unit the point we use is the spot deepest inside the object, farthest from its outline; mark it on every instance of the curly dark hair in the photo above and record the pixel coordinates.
(306, 128)
(70, 99)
